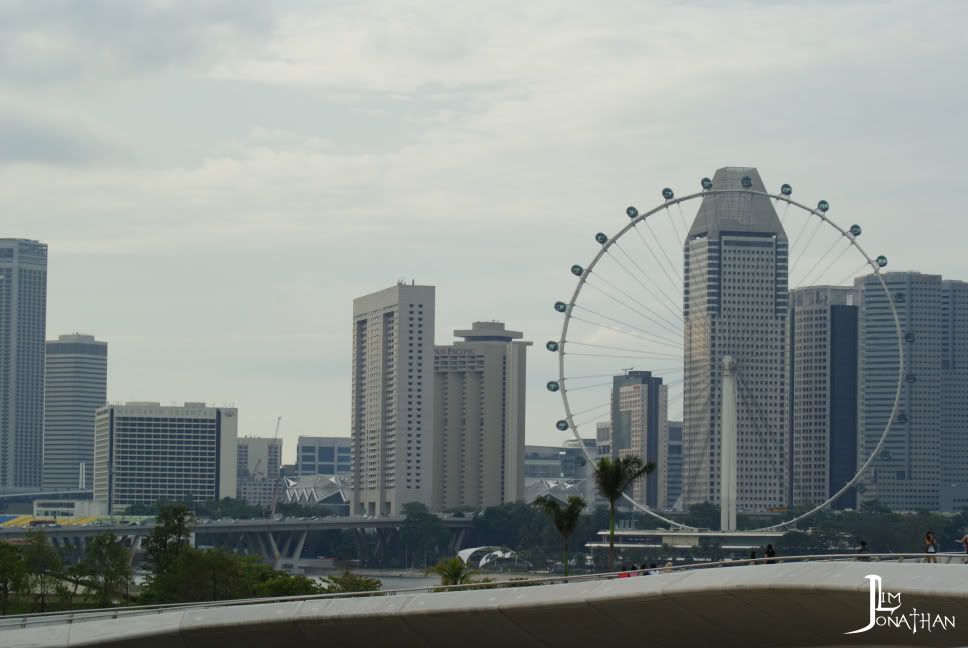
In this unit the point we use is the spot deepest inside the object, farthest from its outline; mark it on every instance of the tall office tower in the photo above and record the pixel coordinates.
(258, 457)
(954, 388)
(735, 304)
(479, 394)
(324, 456)
(822, 361)
(603, 438)
(76, 385)
(258, 479)
(23, 322)
(906, 474)
(670, 466)
(639, 414)
(393, 399)
(144, 452)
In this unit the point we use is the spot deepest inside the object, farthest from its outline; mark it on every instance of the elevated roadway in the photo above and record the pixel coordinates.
(813, 603)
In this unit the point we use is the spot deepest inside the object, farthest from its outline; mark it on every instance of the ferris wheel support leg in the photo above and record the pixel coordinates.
(727, 459)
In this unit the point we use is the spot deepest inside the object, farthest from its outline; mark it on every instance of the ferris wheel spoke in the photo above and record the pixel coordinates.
(805, 247)
(825, 268)
(662, 356)
(672, 279)
(618, 348)
(853, 274)
(665, 325)
(670, 303)
(618, 330)
(597, 275)
(583, 387)
(660, 338)
(594, 408)
(685, 226)
(675, 227)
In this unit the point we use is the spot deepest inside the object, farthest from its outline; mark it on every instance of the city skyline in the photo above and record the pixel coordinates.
(168, 179)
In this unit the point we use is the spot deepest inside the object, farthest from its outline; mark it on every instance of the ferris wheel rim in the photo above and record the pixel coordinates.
(814, 211)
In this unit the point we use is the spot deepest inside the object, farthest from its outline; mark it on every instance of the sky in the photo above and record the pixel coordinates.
(217, 180)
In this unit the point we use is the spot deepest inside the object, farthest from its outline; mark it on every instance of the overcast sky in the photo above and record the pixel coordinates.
(217, 180)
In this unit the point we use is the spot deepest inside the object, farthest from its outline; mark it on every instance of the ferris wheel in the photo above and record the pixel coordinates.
(669, 295)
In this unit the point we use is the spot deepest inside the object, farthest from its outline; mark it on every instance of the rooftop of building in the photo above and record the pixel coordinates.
(736, 213)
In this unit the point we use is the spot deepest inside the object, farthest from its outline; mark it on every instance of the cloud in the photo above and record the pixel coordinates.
(30, 136)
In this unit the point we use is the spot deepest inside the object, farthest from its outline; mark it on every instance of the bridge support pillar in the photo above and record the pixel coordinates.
(727, 460)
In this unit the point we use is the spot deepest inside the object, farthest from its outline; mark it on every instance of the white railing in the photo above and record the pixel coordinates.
(25, 620)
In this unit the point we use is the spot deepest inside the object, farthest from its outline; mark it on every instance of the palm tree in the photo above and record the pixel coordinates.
(613, 477)
(565, 518)
(452, 571)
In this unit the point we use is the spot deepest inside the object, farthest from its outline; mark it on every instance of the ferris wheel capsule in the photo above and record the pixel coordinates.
(786, 190)
(747, 182)
(577, 270)
(881, 261)
(551, 345)
(561, 306)
(668, 194)
(562, 425)
(855, 230)
(823, 205)
(631, 212)
(601, 238)
(706, 183)
(553, 386)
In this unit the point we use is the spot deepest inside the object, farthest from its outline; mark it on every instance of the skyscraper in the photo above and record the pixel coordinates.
(393, 399)
(639, 415)
(907, 472)
(670, 466)
(954, 385)
(822, 360)
(23, 322)
(735, 304)
(144, 452)
(76, 385)
(479, 396)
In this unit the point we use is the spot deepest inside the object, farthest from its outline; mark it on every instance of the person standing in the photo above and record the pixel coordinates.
(930, 547)
(770, 554)
(964, 543)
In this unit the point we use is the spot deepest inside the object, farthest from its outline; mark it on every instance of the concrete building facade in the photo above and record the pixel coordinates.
(23, 325)
(822, 361)
(479, 414)
(258, 457)
(670, 466)
(144, 452)
(639, 416)
(954, 385)
(76, 386)
(906, 474)
(393, 399)
(324, 456)
(735, 304)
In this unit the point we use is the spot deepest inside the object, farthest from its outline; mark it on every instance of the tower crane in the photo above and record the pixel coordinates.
(278, 477)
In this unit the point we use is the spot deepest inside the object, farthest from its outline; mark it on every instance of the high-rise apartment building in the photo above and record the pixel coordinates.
(603, 438)
(906, 474)
(735, 304)
(670, 466)
(258, 457)
(324, 456)
(822, 361)
(479, 407)
(954, 386)
(76, 386)
(638, 419)
(393, 399)
(23, 322)
(144, 452)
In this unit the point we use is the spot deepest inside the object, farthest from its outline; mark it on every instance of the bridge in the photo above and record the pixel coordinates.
(800, 601)
(277, 541)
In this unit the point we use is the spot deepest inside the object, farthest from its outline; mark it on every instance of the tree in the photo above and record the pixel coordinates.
(350, 582)
(169, 537)
(107, 568)
(43, 565)
(423, 533)
(565, 518)
(613, 477)
(13, 574)
(452, 571)
(280, 584)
